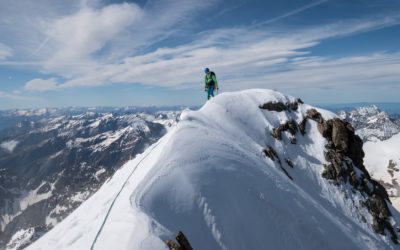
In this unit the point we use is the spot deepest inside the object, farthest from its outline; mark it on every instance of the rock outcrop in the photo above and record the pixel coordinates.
(280, 106)
(181, 243)
(344, 154)
(271, 153)
(290, 126)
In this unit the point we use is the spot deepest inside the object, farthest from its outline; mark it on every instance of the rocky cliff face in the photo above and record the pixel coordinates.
(344, 162)
(344, 155)
(49, 166)
(380, 133)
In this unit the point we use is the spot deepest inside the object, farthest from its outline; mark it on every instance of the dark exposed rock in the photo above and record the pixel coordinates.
(289, 162)
(172, 245)
(329, 172)
(181, 244)
(392, 167)
(380, 211)
(290, 126)
(302, 126)
(183, 241)
(344, 153)
(274, 106)
(340, 136)
(271, 153)
(292, 105)
(356, 152)
(325, 128)
(314, 115)
(277, 132)
(299, 101)
(279, 106)
(379, 189)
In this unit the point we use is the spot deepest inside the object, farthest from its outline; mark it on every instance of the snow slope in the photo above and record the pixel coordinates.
(382, 158)
(209, 178)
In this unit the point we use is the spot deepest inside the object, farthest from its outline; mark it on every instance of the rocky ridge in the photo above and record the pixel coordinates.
(344, 161)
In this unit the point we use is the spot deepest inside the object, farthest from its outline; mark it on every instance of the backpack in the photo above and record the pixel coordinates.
(211, 83)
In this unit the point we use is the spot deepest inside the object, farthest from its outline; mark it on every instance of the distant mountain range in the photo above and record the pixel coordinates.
(10, 117)
(371, 123)
(51, 160)
(392, 108)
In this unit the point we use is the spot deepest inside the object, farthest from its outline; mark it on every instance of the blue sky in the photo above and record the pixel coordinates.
(120, 53)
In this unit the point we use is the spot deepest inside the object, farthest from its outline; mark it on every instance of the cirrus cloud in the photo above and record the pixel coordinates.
(94, 45)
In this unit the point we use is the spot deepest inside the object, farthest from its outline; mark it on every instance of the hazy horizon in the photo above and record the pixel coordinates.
(335, 106)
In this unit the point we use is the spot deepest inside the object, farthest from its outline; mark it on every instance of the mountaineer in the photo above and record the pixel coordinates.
(211, 83)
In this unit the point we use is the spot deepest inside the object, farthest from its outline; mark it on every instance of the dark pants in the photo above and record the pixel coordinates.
(210, 92)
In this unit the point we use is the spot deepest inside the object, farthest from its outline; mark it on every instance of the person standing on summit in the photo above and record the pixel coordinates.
(211, 83)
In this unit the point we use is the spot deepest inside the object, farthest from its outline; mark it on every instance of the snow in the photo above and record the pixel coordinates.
(209, 178)
(378, 154)
(20, 238)
(53, 156)
(80, 196)
(370, 123)
(27, 199)
(33, 197)
(95, 124)
(51, 219)
(9, 146)
(99, 172)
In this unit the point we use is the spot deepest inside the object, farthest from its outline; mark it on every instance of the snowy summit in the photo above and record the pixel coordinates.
(250, 170)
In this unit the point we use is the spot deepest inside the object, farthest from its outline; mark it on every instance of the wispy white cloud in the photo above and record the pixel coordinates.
(5, 52)
(240, 55)
(17, 97)
(77, 37)
(374, 70)
(92, 45)
(291, 13)
(41, 84)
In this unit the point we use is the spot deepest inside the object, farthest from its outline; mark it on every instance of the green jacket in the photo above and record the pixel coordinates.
(210, 79)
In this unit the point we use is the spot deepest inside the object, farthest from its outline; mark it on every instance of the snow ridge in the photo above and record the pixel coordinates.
(209, 178)
(119, 192)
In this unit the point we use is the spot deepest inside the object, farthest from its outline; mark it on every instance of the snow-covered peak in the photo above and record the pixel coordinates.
(371, 123)
(368, 110)
(243, 172)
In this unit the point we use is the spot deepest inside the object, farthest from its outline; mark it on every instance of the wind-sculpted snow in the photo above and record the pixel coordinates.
(210, 178)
